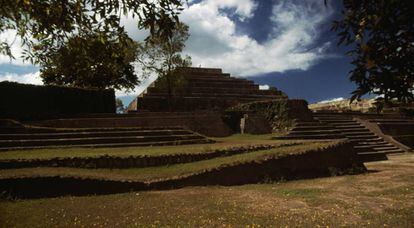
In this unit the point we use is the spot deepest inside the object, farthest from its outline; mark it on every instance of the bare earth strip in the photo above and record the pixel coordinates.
(381, 198)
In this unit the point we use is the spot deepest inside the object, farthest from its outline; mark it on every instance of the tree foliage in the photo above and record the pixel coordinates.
(162, 57)
(52, 22)
(96, 59)
(381, 34)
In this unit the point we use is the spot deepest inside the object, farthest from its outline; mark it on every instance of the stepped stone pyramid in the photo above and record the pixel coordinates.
(203, 89)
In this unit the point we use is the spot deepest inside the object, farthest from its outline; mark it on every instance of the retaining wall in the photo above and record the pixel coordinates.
(333, 160)
(23, 101)
(206, 123)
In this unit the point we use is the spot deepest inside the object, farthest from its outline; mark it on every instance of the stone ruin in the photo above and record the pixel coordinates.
(202, 89)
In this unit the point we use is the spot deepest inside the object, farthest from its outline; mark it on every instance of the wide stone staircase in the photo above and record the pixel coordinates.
(400, 129)
(370, 147)
(312, 129)
(18, 137)
(203, 89)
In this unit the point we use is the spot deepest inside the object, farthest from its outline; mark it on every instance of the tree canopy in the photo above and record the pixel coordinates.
(162, 57)
(51, 22)
(381, 35)
(96, 59)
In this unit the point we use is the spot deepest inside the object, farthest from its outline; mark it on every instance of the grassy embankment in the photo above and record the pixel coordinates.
(158, 172)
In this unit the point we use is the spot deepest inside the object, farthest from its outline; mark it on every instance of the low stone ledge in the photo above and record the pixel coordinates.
(113, 162)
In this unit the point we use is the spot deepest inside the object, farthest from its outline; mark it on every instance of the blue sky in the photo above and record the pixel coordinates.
(282, 43)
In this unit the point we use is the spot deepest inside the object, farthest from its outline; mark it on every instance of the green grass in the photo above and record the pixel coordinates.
(232, 141)
(159, 172)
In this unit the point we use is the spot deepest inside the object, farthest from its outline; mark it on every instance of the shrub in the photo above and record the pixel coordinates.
(275, 111)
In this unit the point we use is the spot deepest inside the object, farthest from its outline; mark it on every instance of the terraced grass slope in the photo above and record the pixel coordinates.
(18, 138)
(225, 166)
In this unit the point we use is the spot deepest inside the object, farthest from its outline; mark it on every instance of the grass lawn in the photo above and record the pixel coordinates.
(382, 198)
(232, 141)
(151, 173)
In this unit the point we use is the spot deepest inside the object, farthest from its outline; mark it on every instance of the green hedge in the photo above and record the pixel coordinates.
(29, 102)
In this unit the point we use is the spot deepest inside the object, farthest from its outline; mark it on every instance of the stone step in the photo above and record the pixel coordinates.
(372, 156)
(332, 118)
(194, 85)
(242, 95)
(375, 143)
(96, 140)
(316, 136)
(316, 132)
(212, 83)
(312, 128)
(259, 95)
(308, 124)
(362, 140)
(210, 98)
(392, 120)
(350, 126)
(337, 121)
(356, 133)
(391, 150)
(384, 148)
(351, 123)
(36, 130)
(207, 79)
(372, 146)
(219, 90)
(373, 136)
(87, 134)
(110, 145)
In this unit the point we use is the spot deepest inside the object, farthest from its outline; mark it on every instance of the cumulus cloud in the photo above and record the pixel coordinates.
(29, 78)
(15, 43)
(264, 87)
(331, 100)
(215, 43)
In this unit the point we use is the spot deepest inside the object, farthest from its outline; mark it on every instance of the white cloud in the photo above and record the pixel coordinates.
(29, 78)
(243, 8)
(214, 42)
(331, 100)
(15, 43)
(264, 87)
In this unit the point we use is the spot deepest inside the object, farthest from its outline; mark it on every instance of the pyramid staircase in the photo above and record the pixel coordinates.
(205, 89)
(17, 138)
(369, 146)
(312, 129)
